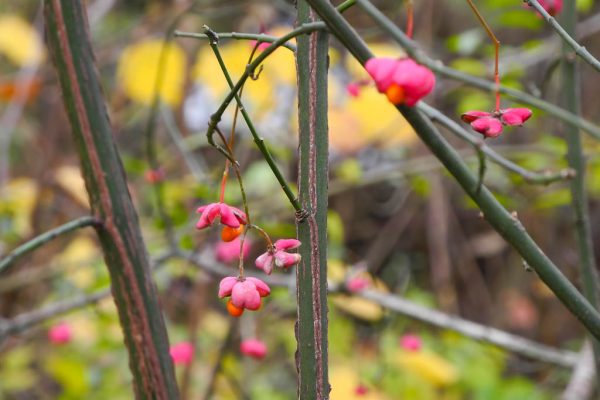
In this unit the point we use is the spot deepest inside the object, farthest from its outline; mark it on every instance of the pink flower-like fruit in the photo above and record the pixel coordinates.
(253, 348)
(402, 80)
(230, 251)
(229, 216)
(60, 333)
(276, 255)
(245, 292)
(491, 124)
(410, 342)
(182, 353)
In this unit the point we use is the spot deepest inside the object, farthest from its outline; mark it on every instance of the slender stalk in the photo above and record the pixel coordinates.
(410, 10)
(566, 35)
(259, 37)
(496, 50)
(437, 66)
(44, 238)
(311, 273)
(120, 237)
(478, 144)
(571, 93)
(507, 225)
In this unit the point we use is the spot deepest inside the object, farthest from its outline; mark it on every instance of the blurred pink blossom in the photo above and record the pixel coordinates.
(353, 89)
(60, 333)
(361, 390)
(182, 353)
(411, 342)
(357, 283)
(253, 348)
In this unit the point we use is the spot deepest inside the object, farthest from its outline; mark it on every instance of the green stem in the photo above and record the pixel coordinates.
(437, 66)
(477, 143)
(504, 223)
(120, 236)
(571, 92)
(482, 167)
(44, 238)
(250, 68)
(567, 37)
(311, 273)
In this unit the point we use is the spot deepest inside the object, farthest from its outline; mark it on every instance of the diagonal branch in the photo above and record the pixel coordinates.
(505, 223)
(124, 250)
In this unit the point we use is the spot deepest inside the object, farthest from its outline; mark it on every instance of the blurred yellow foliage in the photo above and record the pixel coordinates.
(69, 179)
(138, 66)
(428, 366)
(358, 307)
(18, 199)
(19, 41)
(344, 380)
(80, 253)
(235, 54)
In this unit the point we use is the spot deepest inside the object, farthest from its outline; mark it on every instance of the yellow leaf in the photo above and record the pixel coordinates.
(428, 366)
(344, 381)
(378, 119)
(138, 66)
(69, 178)
(259, 93)
(18, 199)
(345, 134)
(19, 41)
(358, 307)
(81, 252)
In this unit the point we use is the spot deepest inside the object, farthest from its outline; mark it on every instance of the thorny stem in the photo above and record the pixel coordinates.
(214, 44)
(250, 68)
(571, 92)
(496, 50)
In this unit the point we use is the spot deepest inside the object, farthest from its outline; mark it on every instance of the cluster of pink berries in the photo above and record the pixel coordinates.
(246, 292)
(405, 82)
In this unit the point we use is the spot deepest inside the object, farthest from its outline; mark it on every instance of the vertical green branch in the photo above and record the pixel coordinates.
(571, 90)
(311, 331)
(119, 233)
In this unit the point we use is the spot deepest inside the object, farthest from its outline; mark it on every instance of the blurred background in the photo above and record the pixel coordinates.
(398, 224)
